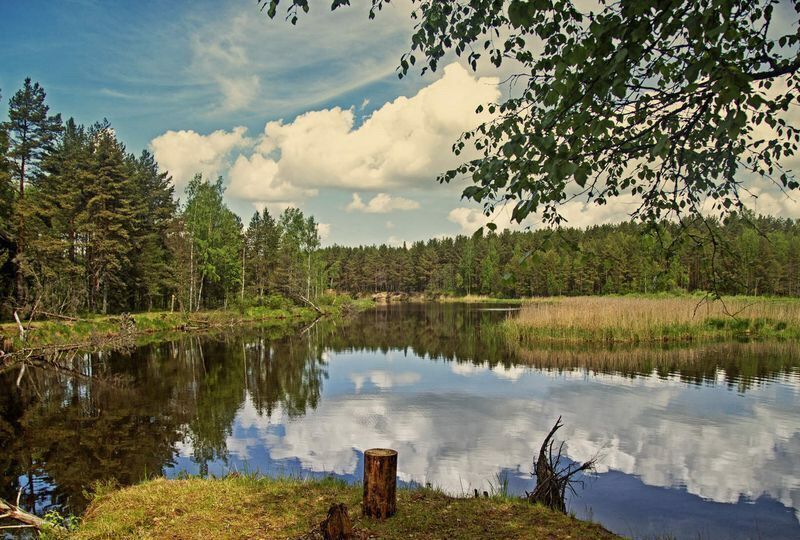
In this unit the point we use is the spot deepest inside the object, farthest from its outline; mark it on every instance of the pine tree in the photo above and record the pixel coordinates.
(6, 188)
(32, 134)
(107, 220)
(53, 210)
(154, 210)
(262, 239)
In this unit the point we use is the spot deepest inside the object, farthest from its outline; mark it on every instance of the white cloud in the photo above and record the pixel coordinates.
(324, 230)
(576, 212)
(383, 379)
(256, 179)
(184, 153)
(240, 61)
(224, 59)
(382, 203)
(239, 92)
(395, 241)
(404, 143)
(471, 219)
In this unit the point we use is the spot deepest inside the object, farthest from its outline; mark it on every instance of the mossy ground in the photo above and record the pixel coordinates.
(251, 507)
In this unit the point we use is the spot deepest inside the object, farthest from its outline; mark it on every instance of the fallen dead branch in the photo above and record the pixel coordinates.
(51, 315)
(552, 479)
(13, 511)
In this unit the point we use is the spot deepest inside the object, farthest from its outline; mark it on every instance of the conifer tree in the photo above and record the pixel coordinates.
(154, 210)
(107, 221)
(54, 208)
(32, 134)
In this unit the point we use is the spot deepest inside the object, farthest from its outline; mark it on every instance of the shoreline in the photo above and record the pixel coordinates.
(249, 506)
(567, 322)
(53, 335)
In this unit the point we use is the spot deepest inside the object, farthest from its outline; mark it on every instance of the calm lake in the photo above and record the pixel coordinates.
(699, 442)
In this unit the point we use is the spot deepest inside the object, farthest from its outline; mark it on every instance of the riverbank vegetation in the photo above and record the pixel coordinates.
(87, 227)
(630, 319)
(252, 507)
(95, 330)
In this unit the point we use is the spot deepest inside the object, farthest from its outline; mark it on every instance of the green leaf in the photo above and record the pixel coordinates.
(520, 14)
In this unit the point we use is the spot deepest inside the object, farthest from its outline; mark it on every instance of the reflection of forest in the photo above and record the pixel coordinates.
(67, 429)
(471, 335)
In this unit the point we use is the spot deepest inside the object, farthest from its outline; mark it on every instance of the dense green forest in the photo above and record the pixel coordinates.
(87, 226)
(749, 255)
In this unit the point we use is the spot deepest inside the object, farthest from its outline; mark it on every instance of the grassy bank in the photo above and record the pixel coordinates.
(626, 319)
(249, 507)
(97, 329)
(477, 299)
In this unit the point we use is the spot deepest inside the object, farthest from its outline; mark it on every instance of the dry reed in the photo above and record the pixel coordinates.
(640, 319)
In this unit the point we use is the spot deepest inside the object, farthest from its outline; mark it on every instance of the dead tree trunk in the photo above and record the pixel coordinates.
(12, 511)
(553, 479)
(380, 483)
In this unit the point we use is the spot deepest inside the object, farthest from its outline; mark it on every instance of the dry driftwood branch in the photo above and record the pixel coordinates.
(552, 479)
(12, 511)
(52, 315)
(310, 303)
(19, 325)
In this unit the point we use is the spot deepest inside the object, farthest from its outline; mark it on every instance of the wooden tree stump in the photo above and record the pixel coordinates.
(380, 483)
(337, 525)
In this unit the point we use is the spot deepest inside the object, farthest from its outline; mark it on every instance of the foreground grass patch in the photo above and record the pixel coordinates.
(247, 507)
(652, 319)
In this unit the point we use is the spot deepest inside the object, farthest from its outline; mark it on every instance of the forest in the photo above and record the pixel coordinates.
(88, 227)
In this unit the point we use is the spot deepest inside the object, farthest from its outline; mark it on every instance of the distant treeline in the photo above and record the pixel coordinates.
(748, 255)
(88, 227)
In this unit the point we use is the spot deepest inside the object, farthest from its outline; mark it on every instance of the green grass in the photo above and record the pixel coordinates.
(98, 329)
(257, 507)
(478, 299)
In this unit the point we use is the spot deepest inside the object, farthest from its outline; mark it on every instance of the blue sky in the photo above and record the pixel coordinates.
(197, 83)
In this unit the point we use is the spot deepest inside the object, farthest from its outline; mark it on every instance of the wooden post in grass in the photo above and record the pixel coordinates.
(380, 483)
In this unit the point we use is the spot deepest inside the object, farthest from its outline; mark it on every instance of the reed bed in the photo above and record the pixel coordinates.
(652, 319)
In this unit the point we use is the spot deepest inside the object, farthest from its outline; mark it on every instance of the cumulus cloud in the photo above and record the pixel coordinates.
(576, 212)
(256, 179)
(184, 153)
(405, 142)
(324, 231)
(471, 219)
(382, 203)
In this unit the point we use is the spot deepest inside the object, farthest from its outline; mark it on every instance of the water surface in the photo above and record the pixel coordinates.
(692, 442)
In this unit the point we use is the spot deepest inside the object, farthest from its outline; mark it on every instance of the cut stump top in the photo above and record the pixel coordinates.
(380, 452)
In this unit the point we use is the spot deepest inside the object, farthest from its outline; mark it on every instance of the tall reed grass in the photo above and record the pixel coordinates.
(644, 319)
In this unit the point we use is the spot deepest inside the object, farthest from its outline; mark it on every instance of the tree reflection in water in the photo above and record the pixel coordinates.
(128, 414)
